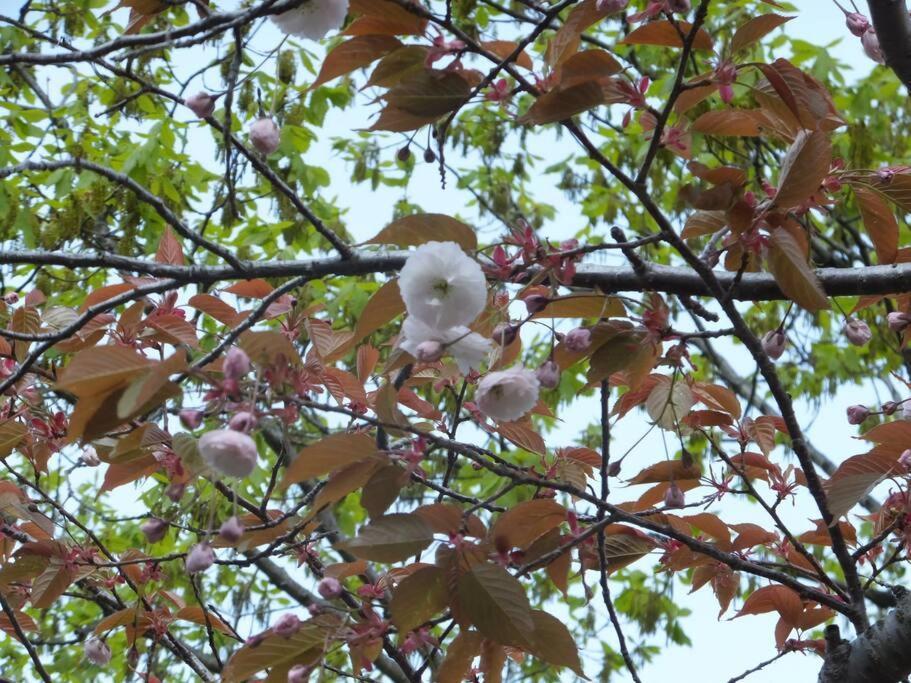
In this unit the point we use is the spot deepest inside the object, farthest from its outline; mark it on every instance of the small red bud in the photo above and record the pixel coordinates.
(536, 303)
(673, 497)
(857, 414)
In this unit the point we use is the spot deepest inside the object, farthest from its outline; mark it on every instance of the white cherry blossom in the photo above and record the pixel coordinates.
(313, 19)
(509, 394)
(468, 349)
(442, 286)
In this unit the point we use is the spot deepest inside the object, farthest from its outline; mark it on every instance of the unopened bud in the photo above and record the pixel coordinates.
(404, 154)
(90, 457)
(200, 558)
(774, 343)
(231, 530)
(673, 497)
(613, 469)
(236, 364)
(97, 651)
(536, 303)
(857, 23)
(429, 156)
(858, 332)
(578, 339)
(299, 673)
(243, 421)
(889, 407)
(286, 625)
(190, 419)
(330, 588)
(429, 351)
(898, 321)
(154, 529)
(175, 491)
(870, 42)
(265, 135)
(202, 104)
(610, 6)
(857, 414)
(504, 334)
(548, 374)
(905, 459)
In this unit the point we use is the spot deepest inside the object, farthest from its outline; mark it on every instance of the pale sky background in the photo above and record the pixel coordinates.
(721, 649)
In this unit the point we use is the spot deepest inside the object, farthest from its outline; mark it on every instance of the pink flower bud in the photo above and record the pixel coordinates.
(870, 42)
(673, 497)
(857, 23)
(678, 5)
(231, 530)
(190, 419)
(548, 374)
(228, 452)
(773, 343)
(578, 340)
(90, 457)
(236, 363)
(97, 651)
(504, 334)
(857, 414)
(898, 321)
(175, 491)
(905, 459)
(286, 625)
(154, 529)
(858, 332)
(12, 298)
(330, 588)
(200, 558)
(265, 135)
(243, 422)
(610, 6)
(536, 303)
(299, 673)
(889, 407)
(202, 104)
(429, 351)
(906, 410)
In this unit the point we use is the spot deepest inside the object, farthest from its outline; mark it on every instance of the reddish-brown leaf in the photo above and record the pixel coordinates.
(803, 168)
(354, 54)
(779, 599)
(668, 34)
(880, 222)
(418, 229)
(793, 274)
(755, 30)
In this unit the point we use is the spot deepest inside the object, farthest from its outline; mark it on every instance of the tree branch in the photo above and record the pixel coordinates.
(893, 28)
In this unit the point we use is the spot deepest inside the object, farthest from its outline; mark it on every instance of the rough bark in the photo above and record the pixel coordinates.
(882, 654)
(870, 280)
(893, 28)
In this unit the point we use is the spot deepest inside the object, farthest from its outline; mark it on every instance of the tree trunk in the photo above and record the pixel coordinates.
(882, 654)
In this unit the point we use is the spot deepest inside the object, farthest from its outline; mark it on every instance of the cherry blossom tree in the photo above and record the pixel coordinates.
(243, 438)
